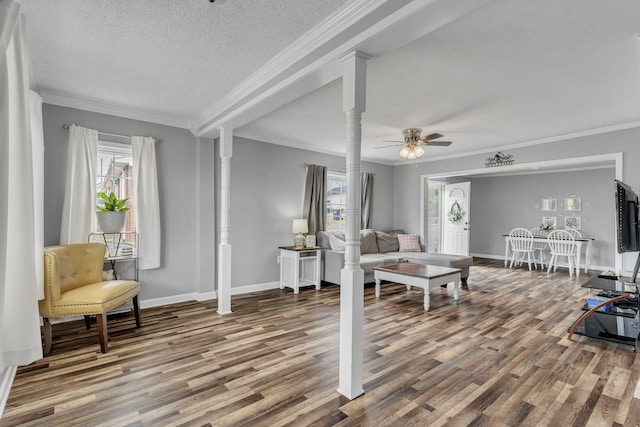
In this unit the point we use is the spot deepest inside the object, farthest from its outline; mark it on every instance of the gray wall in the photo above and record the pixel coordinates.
(406, 178)
(177, 165)
(499, 204)
(267, 186)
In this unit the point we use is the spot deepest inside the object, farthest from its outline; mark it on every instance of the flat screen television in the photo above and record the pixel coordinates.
(628, 237)
(626, 218)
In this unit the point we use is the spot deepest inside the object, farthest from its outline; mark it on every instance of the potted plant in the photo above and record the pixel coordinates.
(112, 214)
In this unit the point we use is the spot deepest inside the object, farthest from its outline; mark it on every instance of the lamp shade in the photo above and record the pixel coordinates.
(300, 226)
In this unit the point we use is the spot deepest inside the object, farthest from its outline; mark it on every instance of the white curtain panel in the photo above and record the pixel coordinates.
(19, 287)
(79, 206)
(146, 201)
(37, 144)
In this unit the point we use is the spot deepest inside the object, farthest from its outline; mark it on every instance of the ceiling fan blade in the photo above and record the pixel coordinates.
(392, 140)
(387, 146)
(439, 143)
(431, 136)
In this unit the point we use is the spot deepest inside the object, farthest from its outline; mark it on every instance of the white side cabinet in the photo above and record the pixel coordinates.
(299, 267)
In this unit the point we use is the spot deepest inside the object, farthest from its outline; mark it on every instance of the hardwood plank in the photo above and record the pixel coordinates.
(497, 357)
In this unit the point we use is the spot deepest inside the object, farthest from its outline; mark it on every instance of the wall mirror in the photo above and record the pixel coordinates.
(572, 204)
(549, 204)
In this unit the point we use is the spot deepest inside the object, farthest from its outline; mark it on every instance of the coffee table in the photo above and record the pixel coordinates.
(423, 276)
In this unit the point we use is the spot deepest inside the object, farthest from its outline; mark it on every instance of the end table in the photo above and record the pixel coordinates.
(299, 267)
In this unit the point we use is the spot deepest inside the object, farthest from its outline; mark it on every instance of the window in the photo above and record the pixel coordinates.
(434, 207)
(336, 201)
(115, 174)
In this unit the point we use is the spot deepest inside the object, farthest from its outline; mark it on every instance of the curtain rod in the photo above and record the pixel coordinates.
(66, 127)
(333, 170)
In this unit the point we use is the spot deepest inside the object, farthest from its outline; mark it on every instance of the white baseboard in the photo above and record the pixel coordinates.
(175, 299)
(255, 288)
(591, 267)
(487, 256)
(6, 380)
(206, 296)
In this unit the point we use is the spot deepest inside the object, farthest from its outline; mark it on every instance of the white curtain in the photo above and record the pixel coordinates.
(37, 143)
(146, 201)
(19, 221)
(79, 207)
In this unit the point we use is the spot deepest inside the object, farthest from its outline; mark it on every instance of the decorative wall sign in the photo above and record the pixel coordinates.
(499, 159)
(549, 204)
(573, 204)
(549, 223)
(572, 223)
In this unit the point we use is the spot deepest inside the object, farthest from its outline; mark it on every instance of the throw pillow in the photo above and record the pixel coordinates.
(387, 242)
(322, 238)
(336, 244)
(409, 243)
(368, 244)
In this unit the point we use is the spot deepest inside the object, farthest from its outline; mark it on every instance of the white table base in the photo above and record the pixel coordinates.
(425, 283)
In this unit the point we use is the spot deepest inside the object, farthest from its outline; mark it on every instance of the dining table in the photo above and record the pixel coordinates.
(586, 242)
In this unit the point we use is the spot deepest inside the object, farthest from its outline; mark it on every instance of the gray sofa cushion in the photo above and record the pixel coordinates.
(387, 241)
(322, 238)
(368, 241)
(368, 244)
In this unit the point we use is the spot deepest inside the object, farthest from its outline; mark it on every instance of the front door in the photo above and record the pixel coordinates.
(456, 218)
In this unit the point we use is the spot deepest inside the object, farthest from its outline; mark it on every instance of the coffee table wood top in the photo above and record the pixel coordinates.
(418, 270)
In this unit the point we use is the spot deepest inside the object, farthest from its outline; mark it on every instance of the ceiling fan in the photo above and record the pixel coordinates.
(412, 144)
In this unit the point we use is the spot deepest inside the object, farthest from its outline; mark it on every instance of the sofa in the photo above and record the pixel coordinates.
(379, 248)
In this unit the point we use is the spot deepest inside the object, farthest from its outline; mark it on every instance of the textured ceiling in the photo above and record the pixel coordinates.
(512, 72)
(509, 72)
(168, 56)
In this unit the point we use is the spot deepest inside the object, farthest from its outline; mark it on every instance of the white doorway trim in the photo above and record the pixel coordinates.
(545, 166)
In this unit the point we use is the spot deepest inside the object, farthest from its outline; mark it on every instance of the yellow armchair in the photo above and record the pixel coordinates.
(73, 286)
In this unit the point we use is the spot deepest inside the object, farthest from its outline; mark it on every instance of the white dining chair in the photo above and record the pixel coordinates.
(562, 244)
(540, 247)
(521, 241)
(575, 233)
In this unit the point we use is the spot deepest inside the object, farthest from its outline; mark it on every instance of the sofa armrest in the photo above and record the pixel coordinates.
(332, 265)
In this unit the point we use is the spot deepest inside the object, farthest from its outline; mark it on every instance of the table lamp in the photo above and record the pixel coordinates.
(299, 226)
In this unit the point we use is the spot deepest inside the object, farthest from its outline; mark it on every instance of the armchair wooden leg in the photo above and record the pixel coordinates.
(47, 335)
(87, 322)
(102, 331)
(136, 310)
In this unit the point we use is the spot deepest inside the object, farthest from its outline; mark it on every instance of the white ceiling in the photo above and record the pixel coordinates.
(488, 75)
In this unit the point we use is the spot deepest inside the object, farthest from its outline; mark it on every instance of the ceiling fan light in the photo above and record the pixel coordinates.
(419, 151)
(404, 153)
(412, 155)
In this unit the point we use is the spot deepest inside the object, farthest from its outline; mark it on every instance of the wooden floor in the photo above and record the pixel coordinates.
(497, 357)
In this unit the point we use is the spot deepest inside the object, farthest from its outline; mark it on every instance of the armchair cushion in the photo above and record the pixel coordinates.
(96, 298)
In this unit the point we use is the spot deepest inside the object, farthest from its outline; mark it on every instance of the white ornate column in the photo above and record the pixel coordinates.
(224, 248)
(352, 276)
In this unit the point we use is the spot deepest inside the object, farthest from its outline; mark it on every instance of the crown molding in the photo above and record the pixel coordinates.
(313, 148)
(312, 40)
(368, 26)
(67, 100)
(581, 134)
